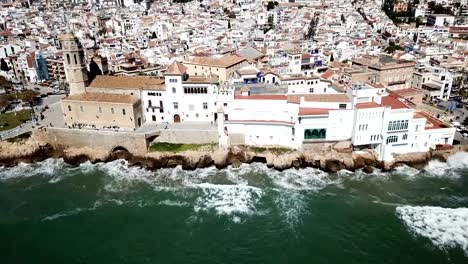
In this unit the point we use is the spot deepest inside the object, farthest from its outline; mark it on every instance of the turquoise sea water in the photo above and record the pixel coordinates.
(114, 213)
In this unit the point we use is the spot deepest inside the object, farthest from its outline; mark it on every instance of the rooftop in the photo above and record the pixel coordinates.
(367, 105)
(431, 122)
(197, 79)
(393, 102)
(338, 98)
(176, 68)
(313, 111)
(102, 97)
(223, 62)
(128, 82)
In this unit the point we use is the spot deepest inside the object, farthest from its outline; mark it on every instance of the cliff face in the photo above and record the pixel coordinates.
(31, 151)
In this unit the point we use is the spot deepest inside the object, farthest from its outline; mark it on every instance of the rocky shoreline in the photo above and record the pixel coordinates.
(29, 151)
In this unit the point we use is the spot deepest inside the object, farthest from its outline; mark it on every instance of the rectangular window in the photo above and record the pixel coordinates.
(173, 90)
(81, 108)
(100, 110)
(69, 108)
(112, 110)
(205, 106)
(150, 103)
(123, 111)
(153, 117)
(392, 139)
(176, 105)
(191, 107)
(342, 106)
(311, 90)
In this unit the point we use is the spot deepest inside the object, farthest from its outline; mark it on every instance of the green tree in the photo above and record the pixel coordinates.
(270, 5)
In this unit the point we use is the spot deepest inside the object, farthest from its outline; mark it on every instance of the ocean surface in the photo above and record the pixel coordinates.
(51, 212)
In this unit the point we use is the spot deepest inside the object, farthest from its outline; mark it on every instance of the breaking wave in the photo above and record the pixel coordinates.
(450, 169)
(445, 227)
(230, 200)
(48, 168)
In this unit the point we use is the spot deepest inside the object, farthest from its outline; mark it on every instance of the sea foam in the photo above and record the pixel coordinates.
(230, 200)
(449, 169)
(445, 227)
(47, 168)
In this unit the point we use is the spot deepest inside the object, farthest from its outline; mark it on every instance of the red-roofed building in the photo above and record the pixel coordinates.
(394, 102)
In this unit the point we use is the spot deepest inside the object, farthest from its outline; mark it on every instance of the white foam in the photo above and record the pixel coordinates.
(449, 169)
(174, 203)
(48, 167)
(406, 170)
(71, 212)
(445, 227)
(229, 200)
(124, 176)
(291, 206)
(309, 179)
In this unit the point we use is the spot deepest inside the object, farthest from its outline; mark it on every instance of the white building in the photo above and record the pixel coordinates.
(365, 116)
(183, 98)
(435, 81)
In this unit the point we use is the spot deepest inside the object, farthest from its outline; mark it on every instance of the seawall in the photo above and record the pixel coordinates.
(31, 150)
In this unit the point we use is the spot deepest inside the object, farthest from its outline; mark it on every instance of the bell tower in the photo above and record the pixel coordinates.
(74, 63)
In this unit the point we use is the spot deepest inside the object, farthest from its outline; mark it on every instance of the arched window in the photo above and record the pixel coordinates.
(68, 58)
(69, 108)
(74, 56)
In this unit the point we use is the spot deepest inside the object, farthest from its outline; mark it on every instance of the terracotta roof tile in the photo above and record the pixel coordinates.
(223, 62)
(393, 103)
(367, 105)
(128, 82)
(176, 68)
(431, 122)
(102, 97)
(314, 111)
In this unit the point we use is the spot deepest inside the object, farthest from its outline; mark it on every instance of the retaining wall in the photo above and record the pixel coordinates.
(135, 143)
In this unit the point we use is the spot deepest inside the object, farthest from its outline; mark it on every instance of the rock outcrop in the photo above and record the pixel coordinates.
(332, 161)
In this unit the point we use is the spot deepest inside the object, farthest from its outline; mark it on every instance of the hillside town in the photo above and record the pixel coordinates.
(386, 76)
